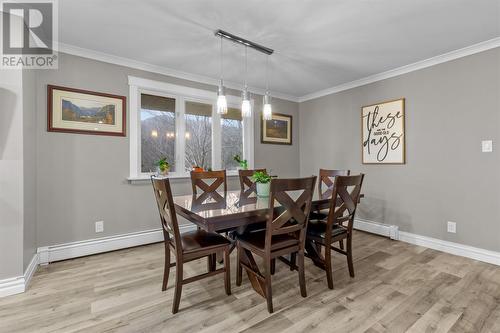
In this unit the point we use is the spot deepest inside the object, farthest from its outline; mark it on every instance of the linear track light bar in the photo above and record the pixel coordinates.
(243, 41)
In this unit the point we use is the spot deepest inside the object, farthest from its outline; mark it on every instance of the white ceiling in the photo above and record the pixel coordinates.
(318, 44)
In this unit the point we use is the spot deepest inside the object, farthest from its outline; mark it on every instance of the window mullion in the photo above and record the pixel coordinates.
(135, 131)
(248, 137)
(180, 128)
(216, 140)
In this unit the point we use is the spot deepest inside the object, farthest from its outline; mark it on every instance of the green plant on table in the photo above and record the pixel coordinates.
(260, 177)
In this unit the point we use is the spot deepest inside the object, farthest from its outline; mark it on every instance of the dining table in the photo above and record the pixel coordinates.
(237, 211)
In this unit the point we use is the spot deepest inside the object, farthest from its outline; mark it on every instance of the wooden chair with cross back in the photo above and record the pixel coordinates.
(337, 227)
(284, 234)
(210, 184)
(199, 181)
(246, 184)
(325, 189)
(187, 246)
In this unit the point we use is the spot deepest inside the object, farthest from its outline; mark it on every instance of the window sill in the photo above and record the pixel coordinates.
(147, 178)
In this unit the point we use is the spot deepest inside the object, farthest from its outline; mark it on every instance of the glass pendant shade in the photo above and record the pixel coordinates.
(221, 99)
(246, 107)
(267, 111)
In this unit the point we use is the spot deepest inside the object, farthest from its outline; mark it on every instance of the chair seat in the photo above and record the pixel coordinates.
(318, 229)
(200, 239)
(321, 215)
(257, 239)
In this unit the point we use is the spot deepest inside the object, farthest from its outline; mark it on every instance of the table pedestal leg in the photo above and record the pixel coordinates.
(256, 278)
(313, 253)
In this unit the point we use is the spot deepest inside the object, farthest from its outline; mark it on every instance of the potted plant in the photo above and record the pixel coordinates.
(163, 166)
(263, 182)
(243, 163)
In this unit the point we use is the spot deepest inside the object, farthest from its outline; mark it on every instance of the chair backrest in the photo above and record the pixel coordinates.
(208, 201)
(325, 178)
(198, 181)
(345, 198)
(294, 208)
(168, 217)
(246, 184)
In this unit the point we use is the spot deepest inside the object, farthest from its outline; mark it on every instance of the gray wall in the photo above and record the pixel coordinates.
(82, 178)
(17, 170)
(450, 108)
(11, 174)
(29, 162)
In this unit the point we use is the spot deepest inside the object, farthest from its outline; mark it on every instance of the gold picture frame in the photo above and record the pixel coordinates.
(277, 130)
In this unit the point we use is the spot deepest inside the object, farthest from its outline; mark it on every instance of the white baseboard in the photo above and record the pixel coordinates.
(93, 246)
(19, 284)
(48, 254)
(467, 251)
(393, 232)
(71, 250)
(377, 228)
(12, 286)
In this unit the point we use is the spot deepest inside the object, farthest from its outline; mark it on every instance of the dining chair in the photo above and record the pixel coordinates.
(249, 188)
(284, 234)
(199, 180)
(209, 191)
(325, 188)
(187, 246)
(246, 183)
(338, 225)
(326, 178)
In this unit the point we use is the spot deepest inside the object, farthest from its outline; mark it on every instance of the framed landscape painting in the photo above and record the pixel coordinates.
(278, 130)
(383, 133)
(85, 112)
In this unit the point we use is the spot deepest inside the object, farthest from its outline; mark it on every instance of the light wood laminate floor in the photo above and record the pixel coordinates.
(398, 287)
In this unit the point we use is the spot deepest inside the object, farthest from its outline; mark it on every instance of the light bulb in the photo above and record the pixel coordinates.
(246, 109)
(221, 104)
(267, 111)
(221, 98)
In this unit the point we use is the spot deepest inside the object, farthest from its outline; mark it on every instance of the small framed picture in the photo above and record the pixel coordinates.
(85, 112)
(278, 130)
(383, 133)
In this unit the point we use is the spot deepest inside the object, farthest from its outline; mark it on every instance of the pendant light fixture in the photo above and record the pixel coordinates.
(267, 110)
(246, 107)
(221, 91)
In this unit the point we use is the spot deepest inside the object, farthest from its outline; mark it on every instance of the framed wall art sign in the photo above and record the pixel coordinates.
(85, 112)
(383, 133)
(277, 130)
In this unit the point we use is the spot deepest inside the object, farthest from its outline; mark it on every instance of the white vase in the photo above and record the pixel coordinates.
(263, 189)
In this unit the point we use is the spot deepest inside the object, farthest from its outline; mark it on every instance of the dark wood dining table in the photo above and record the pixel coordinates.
(235, 211)
(231, 210)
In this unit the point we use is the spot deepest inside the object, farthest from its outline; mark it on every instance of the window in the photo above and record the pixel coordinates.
(198, 120)
(231, 137)
(180, 124)
(157, 131)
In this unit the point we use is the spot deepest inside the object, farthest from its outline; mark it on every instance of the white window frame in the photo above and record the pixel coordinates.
(181, 94)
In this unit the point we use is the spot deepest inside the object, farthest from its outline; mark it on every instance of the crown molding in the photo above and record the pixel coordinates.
(127, 62)
(112, 59)
(460, 53)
